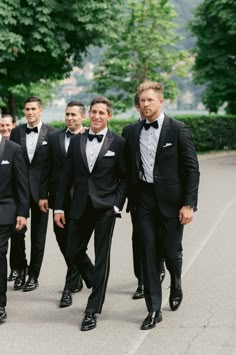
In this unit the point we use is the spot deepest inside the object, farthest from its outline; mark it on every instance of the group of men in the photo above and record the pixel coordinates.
(82, 175)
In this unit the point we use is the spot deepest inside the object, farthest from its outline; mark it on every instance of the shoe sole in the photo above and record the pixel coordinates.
(85, 329)
(28, 290)
(64, 305)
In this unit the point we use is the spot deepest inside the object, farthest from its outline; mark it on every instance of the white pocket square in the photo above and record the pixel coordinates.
(5, 162)
(44, 143)
(109, 153)
(167, 145)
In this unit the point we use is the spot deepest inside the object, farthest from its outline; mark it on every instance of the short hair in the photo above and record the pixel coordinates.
(148, 84)
(136, 100)
(13, 120)
(77, 103)
(33, 99)
(102, 100)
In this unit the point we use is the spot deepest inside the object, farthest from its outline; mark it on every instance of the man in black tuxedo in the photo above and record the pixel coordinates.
(58, 144)
(14, 205)
(33, 138)
(163, 184)
(136, 244)
(96, 168)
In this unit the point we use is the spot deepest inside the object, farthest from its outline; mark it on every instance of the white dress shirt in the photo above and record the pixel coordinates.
(93, 148)
(31, 141)
(148, 142)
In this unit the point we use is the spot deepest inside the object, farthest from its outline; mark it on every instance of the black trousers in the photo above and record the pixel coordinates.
(158, 234)
(38, 231)
(73, 275)
(101, 222)
(5, 234)
(17, 250)
(136, 247)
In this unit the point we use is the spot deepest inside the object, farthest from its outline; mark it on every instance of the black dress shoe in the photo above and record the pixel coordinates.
(139, 293)
(79, 286)
(3, 313)
(20, 280)
(13, 275)
(152, 319)
(89, 321)
(176, 294)
(66, 299)
(30, 285)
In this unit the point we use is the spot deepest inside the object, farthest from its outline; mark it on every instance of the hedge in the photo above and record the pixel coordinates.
(210, 132)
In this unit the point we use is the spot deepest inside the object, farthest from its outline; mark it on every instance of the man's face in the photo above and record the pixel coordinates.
(74, 118)
(33, 113)
(99, 117)
(6, 127)
(150, 104)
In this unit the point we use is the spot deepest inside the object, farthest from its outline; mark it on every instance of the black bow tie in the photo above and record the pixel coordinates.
(69, 134)
(29, 130)
(148, 125)
(98, 136)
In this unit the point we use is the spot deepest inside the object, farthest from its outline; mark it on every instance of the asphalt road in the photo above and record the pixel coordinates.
(205, 322)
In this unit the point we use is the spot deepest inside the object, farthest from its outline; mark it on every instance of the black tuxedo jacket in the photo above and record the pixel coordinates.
(18, 135)
(176, 170)
(106, 184)
(14, 192)
(53, 166)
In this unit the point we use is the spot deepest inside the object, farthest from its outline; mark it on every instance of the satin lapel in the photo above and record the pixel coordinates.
(137, 145)
(83, 141)
(61, 138)
(42, 135)
(162, 139)
(23, 141)
(2, 148)
(106, 144)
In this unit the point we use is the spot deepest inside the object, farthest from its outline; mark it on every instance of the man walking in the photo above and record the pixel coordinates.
(96, 168)
(58, 144)
(33, 138)
(14, 205)
(163, 184)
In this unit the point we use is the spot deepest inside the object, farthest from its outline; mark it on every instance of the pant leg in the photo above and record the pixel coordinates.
(148, 219)
(39, 222)
(136, 248)
(17, 250)
(104, 227)
(5, 234)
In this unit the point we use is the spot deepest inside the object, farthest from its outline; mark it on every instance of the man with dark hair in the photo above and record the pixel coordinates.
(58, 144)
(96, 168)
(7, 123)
(14, 205)
(163, 184)
(33, 137)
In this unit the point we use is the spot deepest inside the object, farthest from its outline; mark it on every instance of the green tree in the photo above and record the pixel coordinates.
(215, 66)
(43, 39)
(142, 46)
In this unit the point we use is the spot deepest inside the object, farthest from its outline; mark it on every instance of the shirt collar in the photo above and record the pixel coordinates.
(160, 120)
(104, 131)
(39, 126)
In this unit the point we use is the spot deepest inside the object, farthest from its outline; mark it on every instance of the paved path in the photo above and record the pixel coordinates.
(204, 324)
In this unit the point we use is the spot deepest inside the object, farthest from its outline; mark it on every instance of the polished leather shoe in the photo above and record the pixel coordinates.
(3, 313)
(31, 284)
(78, 288)
(66, 299)
(20, 280)
(13, 275)
(139, 293)
(176, 294)
(151, 320)
(89, 321)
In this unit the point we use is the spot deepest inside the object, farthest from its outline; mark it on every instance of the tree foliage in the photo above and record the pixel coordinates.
(43, 39)
(142, 46)
(215, 29)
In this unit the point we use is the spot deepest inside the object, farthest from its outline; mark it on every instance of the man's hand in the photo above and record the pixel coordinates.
(186, 215)
(43, 205)
(20, 222)
(59, 219)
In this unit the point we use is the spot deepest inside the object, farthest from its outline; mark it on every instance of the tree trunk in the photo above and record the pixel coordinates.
(11, 106)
